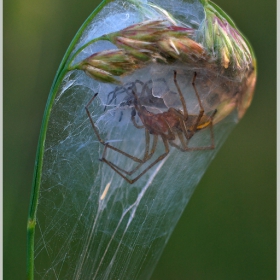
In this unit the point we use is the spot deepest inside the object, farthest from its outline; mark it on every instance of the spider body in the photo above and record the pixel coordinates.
(167, 124)
(158, 124)
(175, 127)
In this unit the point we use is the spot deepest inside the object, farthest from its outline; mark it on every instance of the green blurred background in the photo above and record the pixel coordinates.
(228, 230)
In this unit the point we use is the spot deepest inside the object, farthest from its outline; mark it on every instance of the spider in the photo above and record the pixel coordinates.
(169, 126)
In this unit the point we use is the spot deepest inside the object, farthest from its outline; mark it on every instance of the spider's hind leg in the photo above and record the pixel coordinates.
(131, 181)
(147, 155)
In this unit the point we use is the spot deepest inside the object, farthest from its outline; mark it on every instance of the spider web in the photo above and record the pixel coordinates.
(91, 223)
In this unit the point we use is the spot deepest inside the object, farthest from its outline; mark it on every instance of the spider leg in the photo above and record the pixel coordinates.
(133, 113)
(182, 121)
(144, 88)
(91, 120)
(161, 157)
(114, 94)
(138, 82)
(201, 111)
(182, 99)
(119, 151)
(145, 159)
(190, 130)
(95, 129)
(184, 147)
(184, 142)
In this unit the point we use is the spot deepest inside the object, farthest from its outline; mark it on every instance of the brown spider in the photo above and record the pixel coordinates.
(167, 125)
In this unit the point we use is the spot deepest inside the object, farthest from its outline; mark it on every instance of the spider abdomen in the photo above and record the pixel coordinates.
(159, 124)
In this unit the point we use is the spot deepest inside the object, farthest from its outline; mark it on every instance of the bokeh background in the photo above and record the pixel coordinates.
(228, 230)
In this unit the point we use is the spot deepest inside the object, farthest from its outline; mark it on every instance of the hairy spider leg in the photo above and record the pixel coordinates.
(190, 131)
(131, 181)
(184, 142)
(201, 111)
(145, 159)
(114, 94)
(121, 89)
(185, 111)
